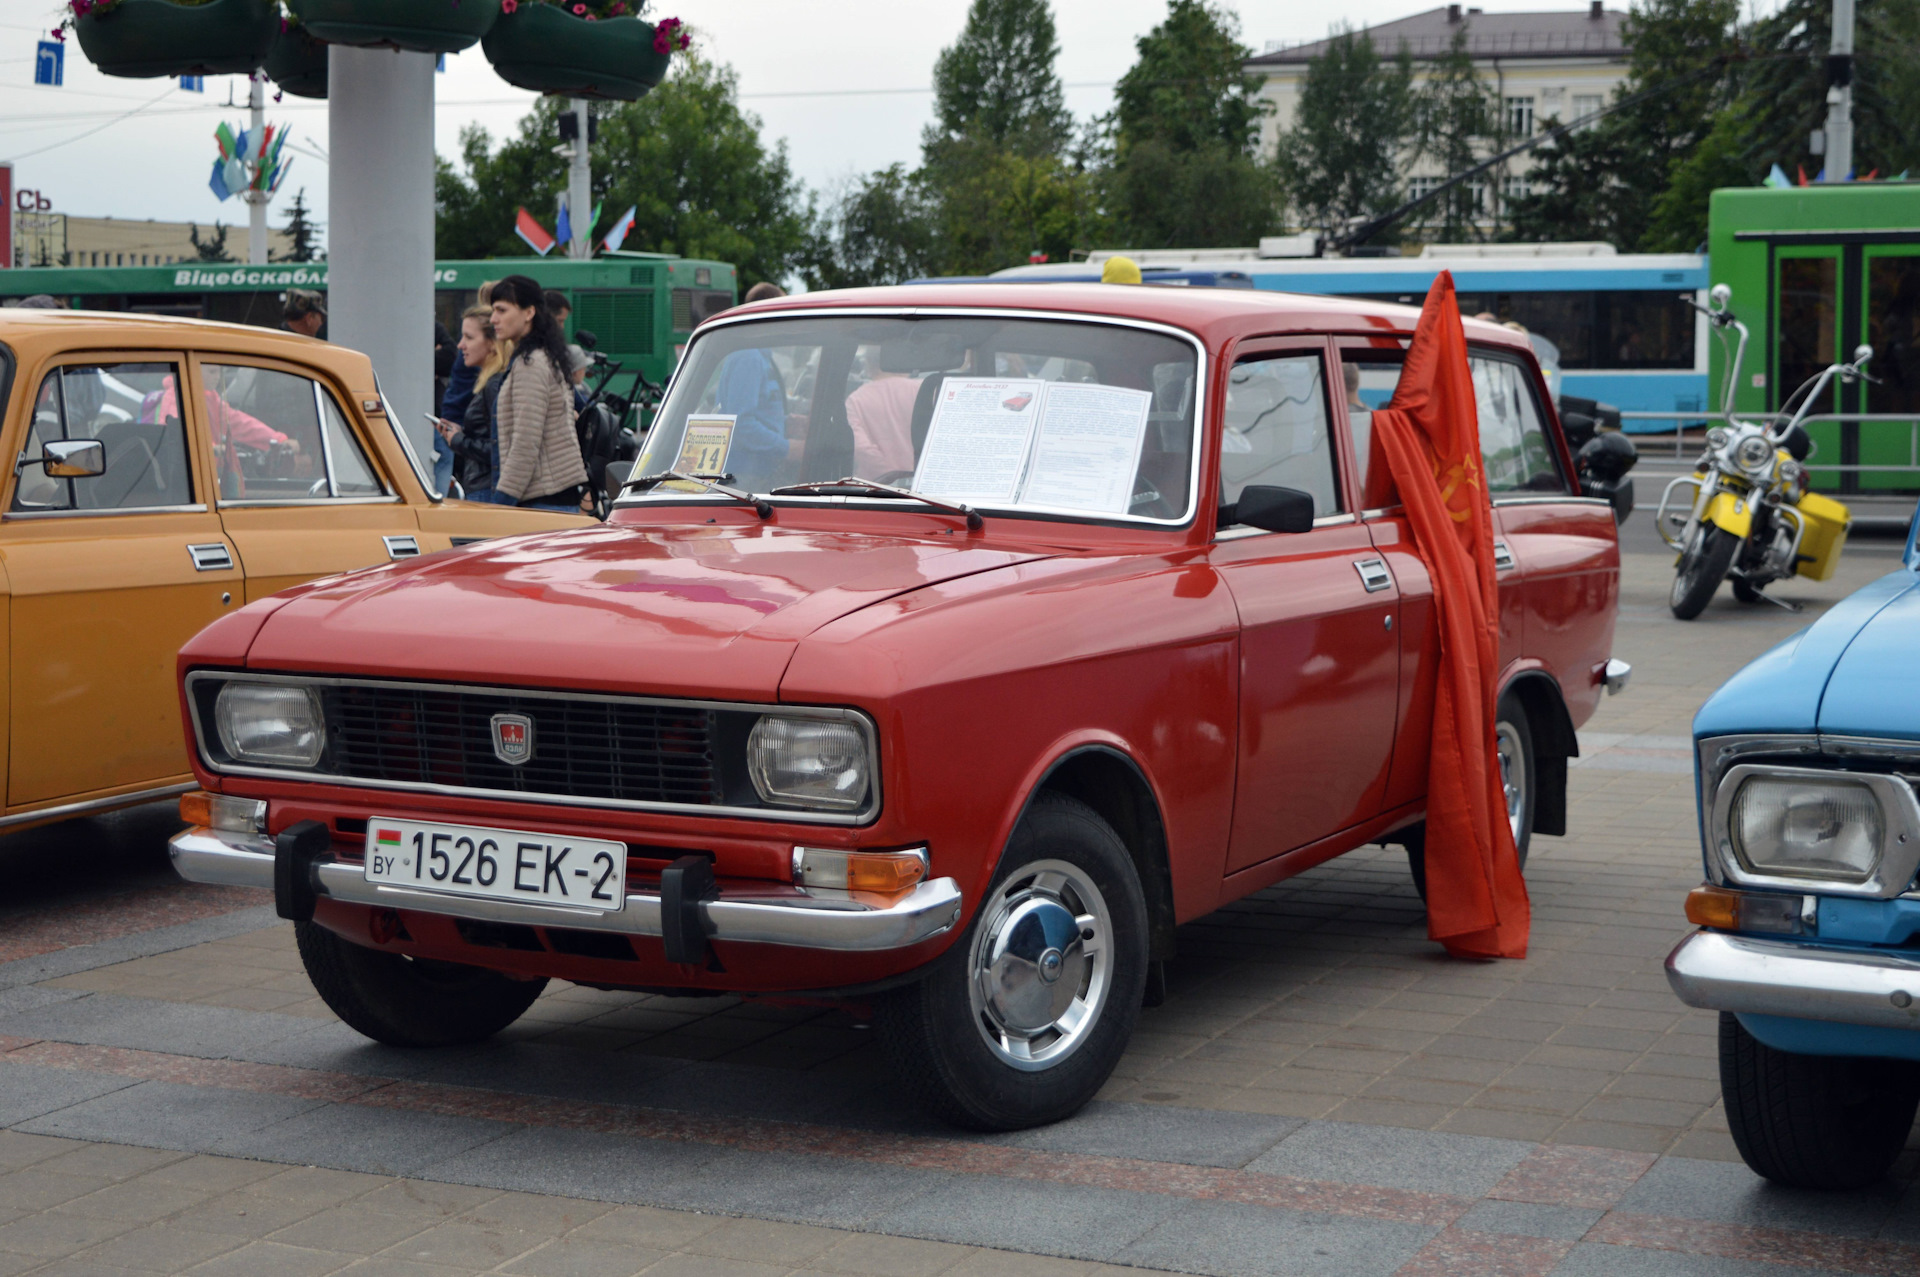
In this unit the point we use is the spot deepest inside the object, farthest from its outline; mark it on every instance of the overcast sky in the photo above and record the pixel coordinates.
(844, 83)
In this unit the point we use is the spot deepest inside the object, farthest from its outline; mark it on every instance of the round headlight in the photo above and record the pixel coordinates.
(822, 763)
(1755, 453)
(271, 724)
(1717, 438)
(1829, 829)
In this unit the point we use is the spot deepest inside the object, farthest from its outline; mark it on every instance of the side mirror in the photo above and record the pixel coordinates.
(1270, 509)
(74, 458)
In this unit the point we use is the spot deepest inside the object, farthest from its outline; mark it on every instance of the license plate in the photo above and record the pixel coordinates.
(498, 864)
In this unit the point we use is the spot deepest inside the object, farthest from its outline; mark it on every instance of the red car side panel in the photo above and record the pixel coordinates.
(981, 684)
(1569, 554)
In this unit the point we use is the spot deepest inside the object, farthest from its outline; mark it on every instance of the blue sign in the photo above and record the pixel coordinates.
(50, 63)
(194, 83)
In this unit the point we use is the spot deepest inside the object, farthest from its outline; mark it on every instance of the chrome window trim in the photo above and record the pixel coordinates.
(115, 512)
(1899, 858)
(866, 815)
(264, 503)
(65, 810)
(1201, 403)
(420, 472)
(326, 444)
(1552, 498)
(1240, 532)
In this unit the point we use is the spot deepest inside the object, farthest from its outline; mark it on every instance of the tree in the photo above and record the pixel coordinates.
(880, 231)
(686, 157)
(1183, 134)
(302, 235)
(1340, 159)
(1456, 118)
(214, 248)
(997, 83)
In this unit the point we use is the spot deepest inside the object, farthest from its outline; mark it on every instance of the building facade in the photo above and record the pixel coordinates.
(1541, 67)
(60, 239)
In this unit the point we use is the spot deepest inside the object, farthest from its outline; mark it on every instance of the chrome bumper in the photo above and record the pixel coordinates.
(1724, 972)
(806, 921)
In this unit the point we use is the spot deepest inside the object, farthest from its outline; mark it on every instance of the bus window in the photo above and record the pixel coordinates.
(1806, 323)
(1893, 330)
(1620, 329)
(694, 306)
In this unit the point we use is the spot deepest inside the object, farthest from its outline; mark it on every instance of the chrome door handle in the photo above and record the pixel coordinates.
(1373, 574)
(1502, 557)
(402, 547)
(213, 557)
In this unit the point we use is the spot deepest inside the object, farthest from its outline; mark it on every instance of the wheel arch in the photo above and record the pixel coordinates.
(1554, 742)
(1114, 785)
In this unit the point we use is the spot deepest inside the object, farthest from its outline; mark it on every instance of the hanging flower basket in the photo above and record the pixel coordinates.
(147, 39)
(424, 26)
(298, 63)
(547, 49)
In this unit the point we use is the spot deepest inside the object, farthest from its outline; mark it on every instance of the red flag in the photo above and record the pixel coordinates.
(535, 234)
(1429, 436)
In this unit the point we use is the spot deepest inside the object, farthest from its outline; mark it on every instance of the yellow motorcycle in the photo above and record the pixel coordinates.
(1745, 512)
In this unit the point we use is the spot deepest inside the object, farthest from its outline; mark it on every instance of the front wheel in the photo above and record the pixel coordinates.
(1698, 574)
(1814, 1121)
(1024, 1018)
(1519, 775)
(404, 1001)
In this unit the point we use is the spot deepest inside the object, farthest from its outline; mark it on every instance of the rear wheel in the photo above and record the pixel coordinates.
(1702, 565)
(404, 1001)
(1814, 1121)
(1023, 1019)
(1519, 775)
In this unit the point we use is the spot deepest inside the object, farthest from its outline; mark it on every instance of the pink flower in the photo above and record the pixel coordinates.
(508, 6)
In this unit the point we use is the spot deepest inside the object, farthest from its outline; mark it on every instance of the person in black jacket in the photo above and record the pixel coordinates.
(473, 440)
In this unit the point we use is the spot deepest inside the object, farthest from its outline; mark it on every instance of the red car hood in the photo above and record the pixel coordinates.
(696, 611)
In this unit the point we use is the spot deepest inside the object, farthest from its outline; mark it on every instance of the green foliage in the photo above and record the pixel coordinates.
(302, 234)
(1339, 160)
(1457, 123)
(880, 231)
(686, 156)
(213, 248)
(1184, 134)
(997, 82)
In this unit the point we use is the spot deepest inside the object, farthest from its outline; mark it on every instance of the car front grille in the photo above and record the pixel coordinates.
(627, 751)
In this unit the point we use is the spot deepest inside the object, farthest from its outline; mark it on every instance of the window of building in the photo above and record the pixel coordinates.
(1514, 189)
(1585, 104)
(1520, 117)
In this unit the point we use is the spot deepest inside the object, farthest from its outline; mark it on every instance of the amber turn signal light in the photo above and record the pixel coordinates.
(1725, 910)
(886, 872)
(219, 811)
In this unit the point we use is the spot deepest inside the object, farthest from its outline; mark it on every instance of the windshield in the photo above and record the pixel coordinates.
(1066, 417)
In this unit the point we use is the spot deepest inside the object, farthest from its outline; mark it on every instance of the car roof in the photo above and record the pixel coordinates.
(1214, 314)
(38, 330)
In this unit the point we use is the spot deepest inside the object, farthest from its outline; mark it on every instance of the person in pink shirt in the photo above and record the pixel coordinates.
(881, 415)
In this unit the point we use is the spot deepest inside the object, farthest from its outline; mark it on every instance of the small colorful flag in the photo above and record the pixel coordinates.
(385, 837)
(563, 228)
(618, 234)
(532, 232)
(218, 182)
(1777, 178)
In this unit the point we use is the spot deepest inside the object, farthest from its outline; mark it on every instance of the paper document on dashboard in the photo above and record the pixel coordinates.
(978, 440)
(1088, 448)
(1070, 445)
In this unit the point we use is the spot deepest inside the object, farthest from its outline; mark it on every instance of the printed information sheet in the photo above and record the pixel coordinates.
(703, 450)
(1006, 441)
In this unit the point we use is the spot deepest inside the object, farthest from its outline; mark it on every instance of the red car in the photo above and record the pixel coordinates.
(951, 646)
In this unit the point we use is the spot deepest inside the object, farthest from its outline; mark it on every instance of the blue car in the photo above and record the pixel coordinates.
(1805, 763)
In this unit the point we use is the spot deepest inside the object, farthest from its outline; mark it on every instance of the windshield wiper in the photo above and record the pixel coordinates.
(852, 483)
(761, 506)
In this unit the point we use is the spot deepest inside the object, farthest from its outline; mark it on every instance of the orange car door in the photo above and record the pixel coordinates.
(1319, 665)
(298, 491)
(110, 575)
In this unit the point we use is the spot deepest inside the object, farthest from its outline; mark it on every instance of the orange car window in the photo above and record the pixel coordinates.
(279, 437)
(134, 411)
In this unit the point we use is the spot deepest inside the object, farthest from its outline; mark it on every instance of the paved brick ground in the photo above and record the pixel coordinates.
(1322, 1093)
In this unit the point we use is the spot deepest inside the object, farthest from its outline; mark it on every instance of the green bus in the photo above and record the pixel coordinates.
(1817, 271)
(640, 306)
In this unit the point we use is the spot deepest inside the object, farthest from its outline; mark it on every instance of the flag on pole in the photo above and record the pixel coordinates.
(563, 228)
(617, 235)
(1777, 178)
(218, 182)
(532, 232)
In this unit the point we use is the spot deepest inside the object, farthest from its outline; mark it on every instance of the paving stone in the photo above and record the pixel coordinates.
(1425, 1161)
(169, 1115)
(1158, 1133)
(374, 1141)
(1233, 1240)
(574, 1257)
(1063, 1220)
(610, 1168)
(162, 1248)
(870, 1255)
(1728, 1192)
(1526, 1219)
(1590, 1260)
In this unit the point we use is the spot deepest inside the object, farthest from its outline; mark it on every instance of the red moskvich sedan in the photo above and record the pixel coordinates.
(951, 646)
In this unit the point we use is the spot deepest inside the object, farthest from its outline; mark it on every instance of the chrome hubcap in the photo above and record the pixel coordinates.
(1041, 964)
(1513, 773)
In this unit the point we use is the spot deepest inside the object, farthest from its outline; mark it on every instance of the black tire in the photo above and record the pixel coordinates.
(1814, 1121)
(936, 1032)
(410, 1002)
(1700, 570)
(1509, 716)
(1744, 592)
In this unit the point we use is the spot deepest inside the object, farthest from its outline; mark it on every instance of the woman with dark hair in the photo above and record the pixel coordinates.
(540, 462)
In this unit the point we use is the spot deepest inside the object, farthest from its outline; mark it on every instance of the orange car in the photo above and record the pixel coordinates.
(165, 472)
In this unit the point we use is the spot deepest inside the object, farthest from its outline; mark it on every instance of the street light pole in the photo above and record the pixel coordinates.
(580, 184)
(1840, 94)
(256, 199)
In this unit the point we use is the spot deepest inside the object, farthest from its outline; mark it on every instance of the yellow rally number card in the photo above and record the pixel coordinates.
(703, 450)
